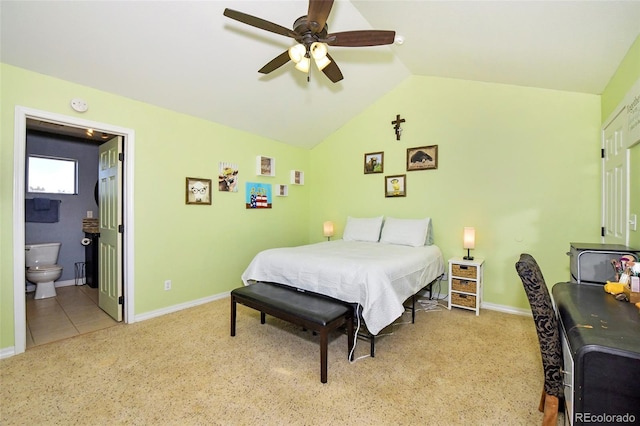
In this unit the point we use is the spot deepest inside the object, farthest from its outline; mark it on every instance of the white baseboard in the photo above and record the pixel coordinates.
(7, 352)
(180, 307)
(506, 309)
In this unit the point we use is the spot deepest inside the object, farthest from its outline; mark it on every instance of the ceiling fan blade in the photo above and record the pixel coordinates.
(275, 63)
(332, 71)
(318, 13)
(259, 23)
(361, 38)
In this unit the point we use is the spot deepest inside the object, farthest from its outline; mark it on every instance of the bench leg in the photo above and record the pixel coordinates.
(324, 343)
(262, 318)
(233, 316)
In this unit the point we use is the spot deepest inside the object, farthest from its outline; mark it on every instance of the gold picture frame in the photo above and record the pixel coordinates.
(198, 191)
(422, 158)
(395, 186)
(374, 162)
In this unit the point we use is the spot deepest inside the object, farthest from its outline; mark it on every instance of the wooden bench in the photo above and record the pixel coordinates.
(309, 310)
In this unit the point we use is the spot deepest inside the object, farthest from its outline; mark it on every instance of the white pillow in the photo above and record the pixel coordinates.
(407, 232)
(362, 229)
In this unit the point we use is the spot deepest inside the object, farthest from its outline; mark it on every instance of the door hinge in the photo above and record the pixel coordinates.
(602, 153)
(121, 300)
(121, 229)
(121, 156)
(602, 231)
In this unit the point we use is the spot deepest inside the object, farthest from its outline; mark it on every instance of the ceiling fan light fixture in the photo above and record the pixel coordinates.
(322, 63)
(303, 64)
(297, 52)
(318, 50)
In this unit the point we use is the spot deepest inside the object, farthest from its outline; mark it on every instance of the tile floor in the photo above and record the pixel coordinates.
(72, 312)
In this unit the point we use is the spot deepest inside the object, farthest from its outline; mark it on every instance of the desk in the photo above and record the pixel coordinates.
(601, 350)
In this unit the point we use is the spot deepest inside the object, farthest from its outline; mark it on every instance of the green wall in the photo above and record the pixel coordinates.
(519, 164)
(202, 249)
(625, 77)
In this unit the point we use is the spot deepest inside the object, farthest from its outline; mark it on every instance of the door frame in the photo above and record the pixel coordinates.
(19, 158)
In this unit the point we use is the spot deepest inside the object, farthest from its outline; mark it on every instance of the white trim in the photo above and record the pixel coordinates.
(506, 309)
(181, 306)
(19, 148)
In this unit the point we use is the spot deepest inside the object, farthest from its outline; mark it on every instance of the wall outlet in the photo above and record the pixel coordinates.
(167, 285)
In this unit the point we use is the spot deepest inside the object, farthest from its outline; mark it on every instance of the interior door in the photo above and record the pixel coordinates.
(110, 247)
(615, 197)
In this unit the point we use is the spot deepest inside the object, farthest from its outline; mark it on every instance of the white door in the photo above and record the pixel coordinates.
(110, 248)
(615, 194)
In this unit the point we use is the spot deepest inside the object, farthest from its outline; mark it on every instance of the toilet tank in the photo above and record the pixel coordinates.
(41, 254)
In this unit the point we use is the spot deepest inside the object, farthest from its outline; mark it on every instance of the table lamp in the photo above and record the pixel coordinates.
(327, 228)
(469, 241)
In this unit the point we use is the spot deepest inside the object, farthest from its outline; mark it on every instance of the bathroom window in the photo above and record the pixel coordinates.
(51, 175)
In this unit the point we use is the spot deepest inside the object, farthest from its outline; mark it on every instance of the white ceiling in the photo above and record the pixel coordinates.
(187, 57)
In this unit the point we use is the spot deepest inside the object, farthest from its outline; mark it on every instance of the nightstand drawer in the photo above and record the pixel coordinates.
(463, 285)
(465, 271)
(463, 300)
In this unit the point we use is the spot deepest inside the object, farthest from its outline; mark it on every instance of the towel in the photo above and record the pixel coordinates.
(41, 203)
(50, 215)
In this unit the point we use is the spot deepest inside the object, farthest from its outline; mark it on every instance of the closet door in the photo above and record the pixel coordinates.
(615, 185)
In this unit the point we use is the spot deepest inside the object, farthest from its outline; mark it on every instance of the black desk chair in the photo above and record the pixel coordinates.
(548, 336)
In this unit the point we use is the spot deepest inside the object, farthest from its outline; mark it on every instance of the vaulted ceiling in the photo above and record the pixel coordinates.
(187, 57)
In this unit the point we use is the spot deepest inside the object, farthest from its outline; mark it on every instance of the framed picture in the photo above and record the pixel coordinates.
(374, 162)
(422, 158)
(283, 190)
(258, 195)
(227, 177)
(198, 191)
(297, 177)
(265, 166)
(395, 186)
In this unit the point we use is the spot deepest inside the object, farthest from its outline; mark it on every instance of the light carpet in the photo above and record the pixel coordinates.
(450, 367)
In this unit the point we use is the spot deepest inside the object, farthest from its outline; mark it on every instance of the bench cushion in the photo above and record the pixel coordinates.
(316, 309)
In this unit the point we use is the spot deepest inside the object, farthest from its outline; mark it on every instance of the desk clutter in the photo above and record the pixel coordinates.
(90, 225)
(627, 286)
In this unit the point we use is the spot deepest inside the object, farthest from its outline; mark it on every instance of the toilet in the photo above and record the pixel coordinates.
(40, 261)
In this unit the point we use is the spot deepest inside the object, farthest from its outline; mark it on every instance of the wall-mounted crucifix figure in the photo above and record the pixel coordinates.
(396, 125)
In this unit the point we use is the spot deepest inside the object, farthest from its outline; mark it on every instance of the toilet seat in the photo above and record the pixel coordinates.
(44, 268)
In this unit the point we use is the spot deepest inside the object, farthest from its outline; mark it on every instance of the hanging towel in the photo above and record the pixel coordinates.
(41, 203)
(50, 215)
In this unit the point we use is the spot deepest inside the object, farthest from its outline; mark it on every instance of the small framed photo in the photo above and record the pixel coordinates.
(422, 158)
(297, 177)
(198, 191)
(265, 166)
(395, 186)
(373, 162)
(283, 190)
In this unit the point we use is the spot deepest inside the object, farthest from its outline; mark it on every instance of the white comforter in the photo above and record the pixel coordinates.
(378, 276)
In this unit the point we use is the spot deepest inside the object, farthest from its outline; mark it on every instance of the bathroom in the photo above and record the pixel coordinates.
(68, 229)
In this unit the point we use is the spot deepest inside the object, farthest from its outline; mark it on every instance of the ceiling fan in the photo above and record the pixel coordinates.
(311, 33)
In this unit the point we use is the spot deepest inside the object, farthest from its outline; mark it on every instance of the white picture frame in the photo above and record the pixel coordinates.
(265, 166)
(297, 177)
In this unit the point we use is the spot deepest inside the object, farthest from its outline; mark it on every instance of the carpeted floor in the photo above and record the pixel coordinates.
(450, 367)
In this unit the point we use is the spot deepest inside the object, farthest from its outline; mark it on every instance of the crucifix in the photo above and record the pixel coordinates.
(396, 125)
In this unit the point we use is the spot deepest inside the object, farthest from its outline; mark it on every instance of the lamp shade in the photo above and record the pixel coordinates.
(303, 65)
(297, 52)
(327, 228)
(469, 238)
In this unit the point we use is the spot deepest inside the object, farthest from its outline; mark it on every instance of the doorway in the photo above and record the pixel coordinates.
(22, 114)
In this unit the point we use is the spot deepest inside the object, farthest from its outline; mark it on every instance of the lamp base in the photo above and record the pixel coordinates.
(468, 256)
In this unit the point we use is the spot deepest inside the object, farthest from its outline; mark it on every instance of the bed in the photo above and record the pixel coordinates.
(378, 265)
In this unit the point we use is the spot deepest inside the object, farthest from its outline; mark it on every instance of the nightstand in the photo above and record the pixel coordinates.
(465, 283)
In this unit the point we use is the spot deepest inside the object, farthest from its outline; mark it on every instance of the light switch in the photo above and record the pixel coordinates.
(633, 222)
